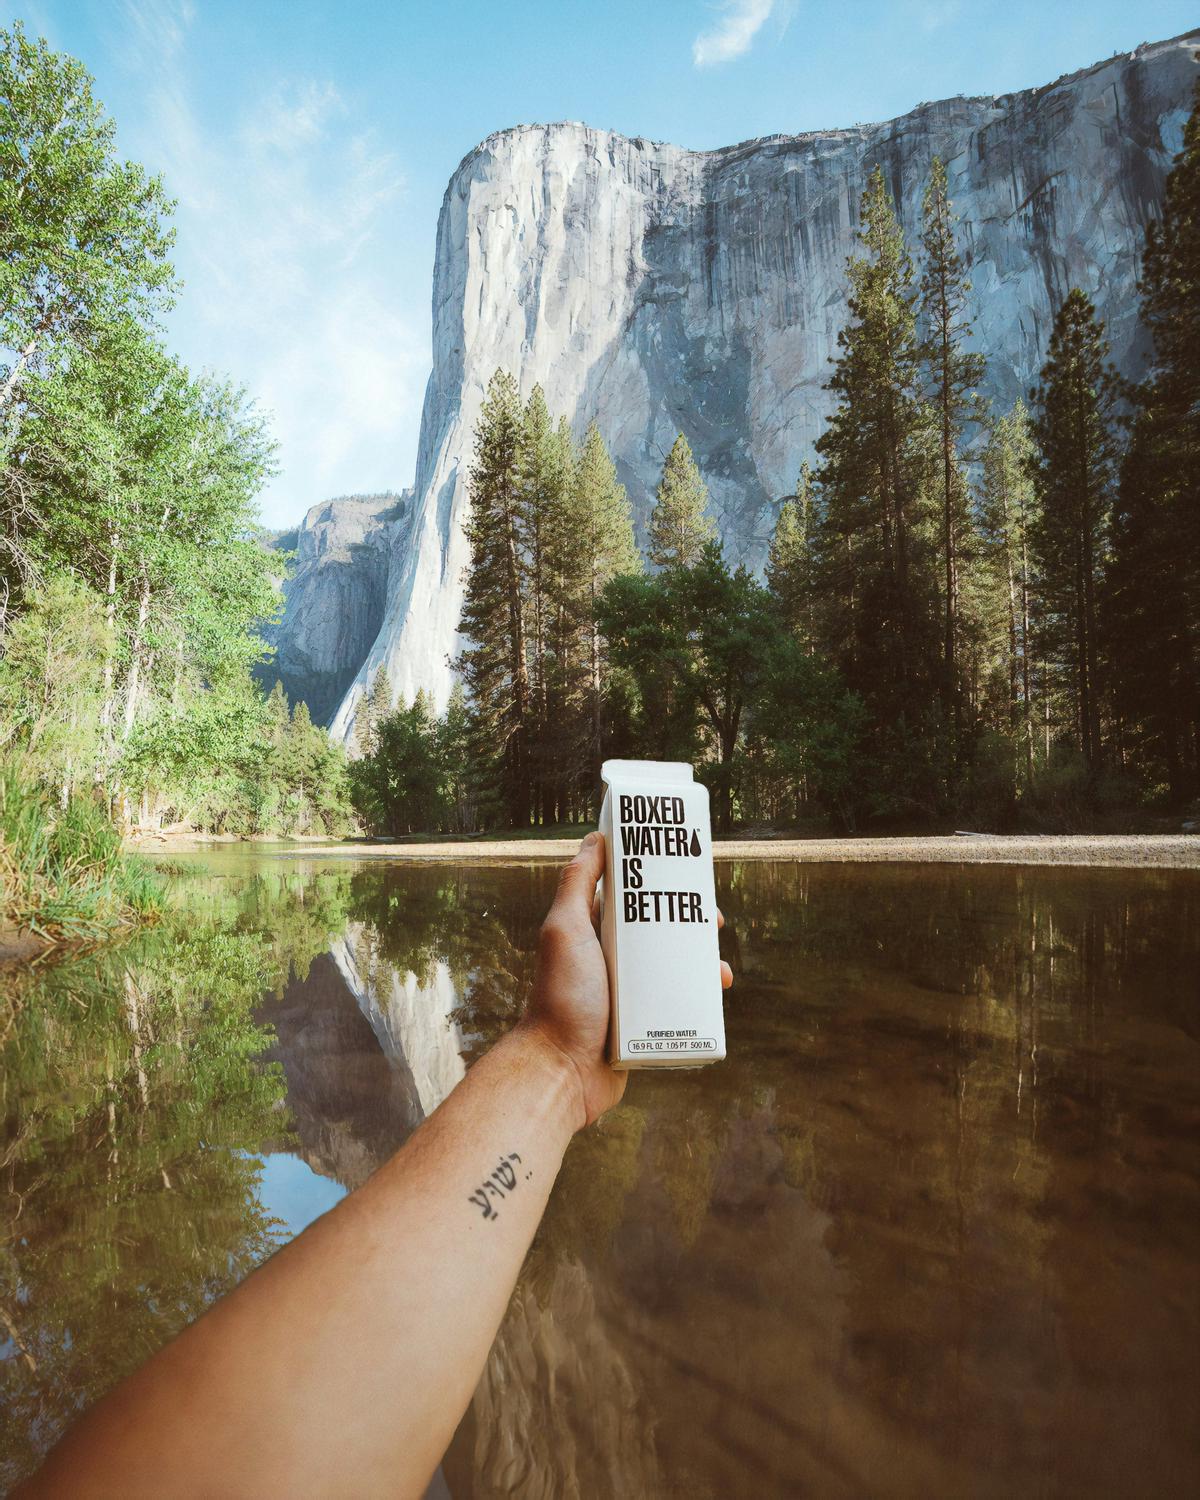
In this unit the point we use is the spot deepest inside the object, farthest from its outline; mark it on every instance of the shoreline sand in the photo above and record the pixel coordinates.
(1139, 851)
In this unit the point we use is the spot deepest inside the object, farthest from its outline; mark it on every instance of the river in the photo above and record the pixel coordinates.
(932, 1229)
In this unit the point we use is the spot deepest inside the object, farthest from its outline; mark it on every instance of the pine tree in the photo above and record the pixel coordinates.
(362, 728)
(953, 375)
(399, 788)
(373, 708)
(1171, 290)
(877, 591)
(790, 570)
(1007, 512)
(494, 666)
(568, 675)
(1077, 454)
(298, 765)
(454, 756)
(680, 524)
(1154, 585)
(602, 522)
(278, 713)
(545, 475)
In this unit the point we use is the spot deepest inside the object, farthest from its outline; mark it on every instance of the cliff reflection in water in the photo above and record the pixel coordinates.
(932, 1229)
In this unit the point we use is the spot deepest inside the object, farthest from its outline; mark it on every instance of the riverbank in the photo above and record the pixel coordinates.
(1146, 851)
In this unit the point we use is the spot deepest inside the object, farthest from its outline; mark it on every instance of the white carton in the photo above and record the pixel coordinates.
(658, 920)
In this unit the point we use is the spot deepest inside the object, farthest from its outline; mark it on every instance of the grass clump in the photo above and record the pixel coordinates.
(64, 876)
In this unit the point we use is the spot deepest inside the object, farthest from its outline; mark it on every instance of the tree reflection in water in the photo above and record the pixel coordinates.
(132, 1110)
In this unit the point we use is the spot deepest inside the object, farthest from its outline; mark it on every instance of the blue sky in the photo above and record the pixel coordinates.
(309, 143)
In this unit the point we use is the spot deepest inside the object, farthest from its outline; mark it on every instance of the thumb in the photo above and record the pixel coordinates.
(578, 880)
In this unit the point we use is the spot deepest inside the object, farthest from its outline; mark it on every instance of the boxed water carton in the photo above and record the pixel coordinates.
(658, 920)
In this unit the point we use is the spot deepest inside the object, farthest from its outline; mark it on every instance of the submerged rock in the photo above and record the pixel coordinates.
(660, 290)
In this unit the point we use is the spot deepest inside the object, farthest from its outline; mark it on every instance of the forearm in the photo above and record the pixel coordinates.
(344, 1364)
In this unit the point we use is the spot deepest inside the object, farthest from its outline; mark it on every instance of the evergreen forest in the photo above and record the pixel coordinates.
(966, 613)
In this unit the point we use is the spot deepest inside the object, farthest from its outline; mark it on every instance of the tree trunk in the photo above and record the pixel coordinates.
(1091, 664)
(950, 645)
(12, 381)
(1026, 688)
(597, 726)
(133, 677)
(1013, 701)
(110, 619)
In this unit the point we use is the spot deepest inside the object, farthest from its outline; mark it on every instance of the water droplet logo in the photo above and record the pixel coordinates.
(695, 846)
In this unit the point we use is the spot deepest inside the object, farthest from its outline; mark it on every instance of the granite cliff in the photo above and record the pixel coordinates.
(660, 290)
(336, 598)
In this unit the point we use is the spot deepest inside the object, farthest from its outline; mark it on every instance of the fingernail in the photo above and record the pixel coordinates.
(589, 840)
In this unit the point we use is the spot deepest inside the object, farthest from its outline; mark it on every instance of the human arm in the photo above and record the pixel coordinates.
(343, 1365)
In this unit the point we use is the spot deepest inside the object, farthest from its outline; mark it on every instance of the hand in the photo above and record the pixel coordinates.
(569, 1007)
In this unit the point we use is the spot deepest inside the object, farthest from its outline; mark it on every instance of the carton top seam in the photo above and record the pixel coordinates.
(669, 771)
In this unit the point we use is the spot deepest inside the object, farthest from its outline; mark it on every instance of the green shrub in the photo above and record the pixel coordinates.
(63, 873)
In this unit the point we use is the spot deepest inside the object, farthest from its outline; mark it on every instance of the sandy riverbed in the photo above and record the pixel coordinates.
(1149, 851)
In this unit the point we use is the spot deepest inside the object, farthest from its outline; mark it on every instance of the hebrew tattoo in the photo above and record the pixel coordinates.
(501, 1182)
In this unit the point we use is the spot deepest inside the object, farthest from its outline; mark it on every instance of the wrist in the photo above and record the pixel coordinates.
(562, 1072)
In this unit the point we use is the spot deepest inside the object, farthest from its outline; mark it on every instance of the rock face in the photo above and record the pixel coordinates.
(334, 603)
(411, 1016)
(351, 1104)
(660, 290)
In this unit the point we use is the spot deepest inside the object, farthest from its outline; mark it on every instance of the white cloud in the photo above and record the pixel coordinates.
(733, 33)
(287, 214)
(155, 30)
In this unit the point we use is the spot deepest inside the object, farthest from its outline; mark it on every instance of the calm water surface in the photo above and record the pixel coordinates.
(931, 1230)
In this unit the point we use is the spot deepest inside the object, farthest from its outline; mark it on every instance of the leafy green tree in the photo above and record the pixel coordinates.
(200, 757)
(802, 737)
(50, 677)
(1075, 474)
(83, 241)
(129, 535)
(399, 788)
(680, 525)
(144, 483)
(1154, 582)
(83, 251)
(700, 630)
(494, 665)
(953, 375)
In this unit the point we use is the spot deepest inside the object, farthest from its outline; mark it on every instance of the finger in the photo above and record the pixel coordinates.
(596, 912)
(720, 919)
(726, 975)
(577, 883)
